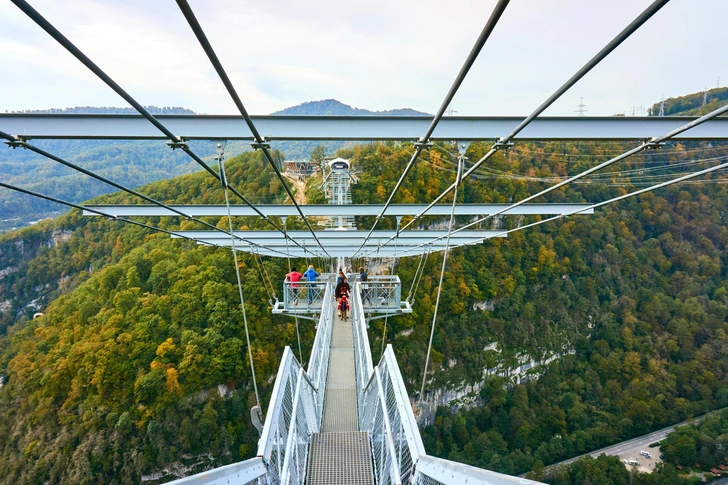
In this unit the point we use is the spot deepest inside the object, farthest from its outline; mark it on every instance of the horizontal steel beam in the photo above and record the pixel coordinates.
(352, 245)
(333, 251)
(361, 128)
(334, 210)
(334, 236)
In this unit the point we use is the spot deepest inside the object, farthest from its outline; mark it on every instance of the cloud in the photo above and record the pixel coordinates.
(377, 54)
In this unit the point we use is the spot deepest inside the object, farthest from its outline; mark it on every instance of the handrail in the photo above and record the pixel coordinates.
(292, 428)
(318, 363)
(293, 416)
(246, 472)
(439, 470)
(407, 416)
(395, 478)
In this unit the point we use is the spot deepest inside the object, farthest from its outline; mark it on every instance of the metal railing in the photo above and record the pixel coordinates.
(384, 406)
(302, 293)
(289, 423)
(248, 472)
(318, 364)
(296, 406)
(431, 470)
(385, 412)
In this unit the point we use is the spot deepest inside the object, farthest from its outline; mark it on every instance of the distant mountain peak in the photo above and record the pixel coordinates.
(333, 107)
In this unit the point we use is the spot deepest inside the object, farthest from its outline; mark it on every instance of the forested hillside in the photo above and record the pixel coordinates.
(139, 364)
(633, 297)
(130, 163)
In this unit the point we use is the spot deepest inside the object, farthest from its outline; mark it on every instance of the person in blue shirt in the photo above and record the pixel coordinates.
(311, 274)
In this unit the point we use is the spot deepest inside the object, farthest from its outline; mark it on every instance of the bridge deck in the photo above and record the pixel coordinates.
(340, 454)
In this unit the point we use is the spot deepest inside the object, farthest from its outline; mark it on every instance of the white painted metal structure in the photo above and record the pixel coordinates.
(353, 128)
(296, 415)
(299, 404)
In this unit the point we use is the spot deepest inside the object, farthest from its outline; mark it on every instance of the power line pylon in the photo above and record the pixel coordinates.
(580, 107)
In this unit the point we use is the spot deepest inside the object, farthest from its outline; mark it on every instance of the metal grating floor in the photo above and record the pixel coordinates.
(340, 454)
(340, 459)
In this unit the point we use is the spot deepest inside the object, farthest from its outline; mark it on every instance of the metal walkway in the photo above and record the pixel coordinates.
(340, 454)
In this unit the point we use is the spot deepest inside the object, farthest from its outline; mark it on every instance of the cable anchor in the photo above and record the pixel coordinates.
(20, 141)
(178, 143)
(502, 145)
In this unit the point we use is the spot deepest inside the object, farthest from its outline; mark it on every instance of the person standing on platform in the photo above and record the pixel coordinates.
(364, 277)
(311, 274)
(294, 277)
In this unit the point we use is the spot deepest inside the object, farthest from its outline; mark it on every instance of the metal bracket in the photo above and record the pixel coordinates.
(19, 141)
(260, 146)
(178, 144)
(653, 145)
(423, 145)
(462, 146)
(501, 145)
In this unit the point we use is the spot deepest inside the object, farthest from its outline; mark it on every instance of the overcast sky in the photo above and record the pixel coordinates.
(374, 54)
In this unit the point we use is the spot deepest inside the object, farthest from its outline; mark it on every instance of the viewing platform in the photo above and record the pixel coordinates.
(381, 295)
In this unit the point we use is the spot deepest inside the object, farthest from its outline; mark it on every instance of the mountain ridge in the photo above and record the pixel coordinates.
(333, 107)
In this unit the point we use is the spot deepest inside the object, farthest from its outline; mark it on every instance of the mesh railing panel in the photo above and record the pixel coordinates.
(319, 362)
(294, 415)
(303, 293)
(422, 479)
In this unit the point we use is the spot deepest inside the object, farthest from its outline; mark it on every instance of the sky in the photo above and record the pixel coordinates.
(374, 54)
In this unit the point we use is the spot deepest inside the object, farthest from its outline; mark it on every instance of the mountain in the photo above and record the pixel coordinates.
(696, 104)
(300, 150)
(130, 163)
(332, 107)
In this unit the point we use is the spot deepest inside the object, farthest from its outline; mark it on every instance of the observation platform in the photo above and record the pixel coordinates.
(342, 420)
(381, 295)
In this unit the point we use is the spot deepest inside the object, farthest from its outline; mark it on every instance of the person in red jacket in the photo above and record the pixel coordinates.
(343, 307)
(294, 277)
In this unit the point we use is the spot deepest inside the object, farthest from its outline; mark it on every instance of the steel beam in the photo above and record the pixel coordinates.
(334, 237)
(362, 128)
(324, 210)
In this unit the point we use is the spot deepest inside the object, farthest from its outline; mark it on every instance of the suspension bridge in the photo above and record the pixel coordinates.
(341, 418)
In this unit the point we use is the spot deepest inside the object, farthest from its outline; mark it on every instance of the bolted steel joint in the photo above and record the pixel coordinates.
(502, 145)
(260, 146)
(178, 144)
(653, 145)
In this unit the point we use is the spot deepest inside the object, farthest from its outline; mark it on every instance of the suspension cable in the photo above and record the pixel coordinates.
(295, 294)
(394, 262)
(175, 141)
(259, 141)
(461, 160)
(223, 180)
(653, 143)
(82, 208)
(256, 257)
(417, 273)
(505, 142)
(13, 142)
(423, 142)
(619, 198)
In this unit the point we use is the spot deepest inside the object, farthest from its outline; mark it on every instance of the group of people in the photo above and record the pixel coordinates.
(342, 291)
(294, 277)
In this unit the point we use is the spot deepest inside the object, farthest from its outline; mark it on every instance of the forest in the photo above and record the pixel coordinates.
(139, 360)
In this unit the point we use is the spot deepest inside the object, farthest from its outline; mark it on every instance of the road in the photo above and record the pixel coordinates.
(641, 442)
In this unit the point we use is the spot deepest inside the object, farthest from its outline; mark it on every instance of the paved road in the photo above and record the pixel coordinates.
(639, 442)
